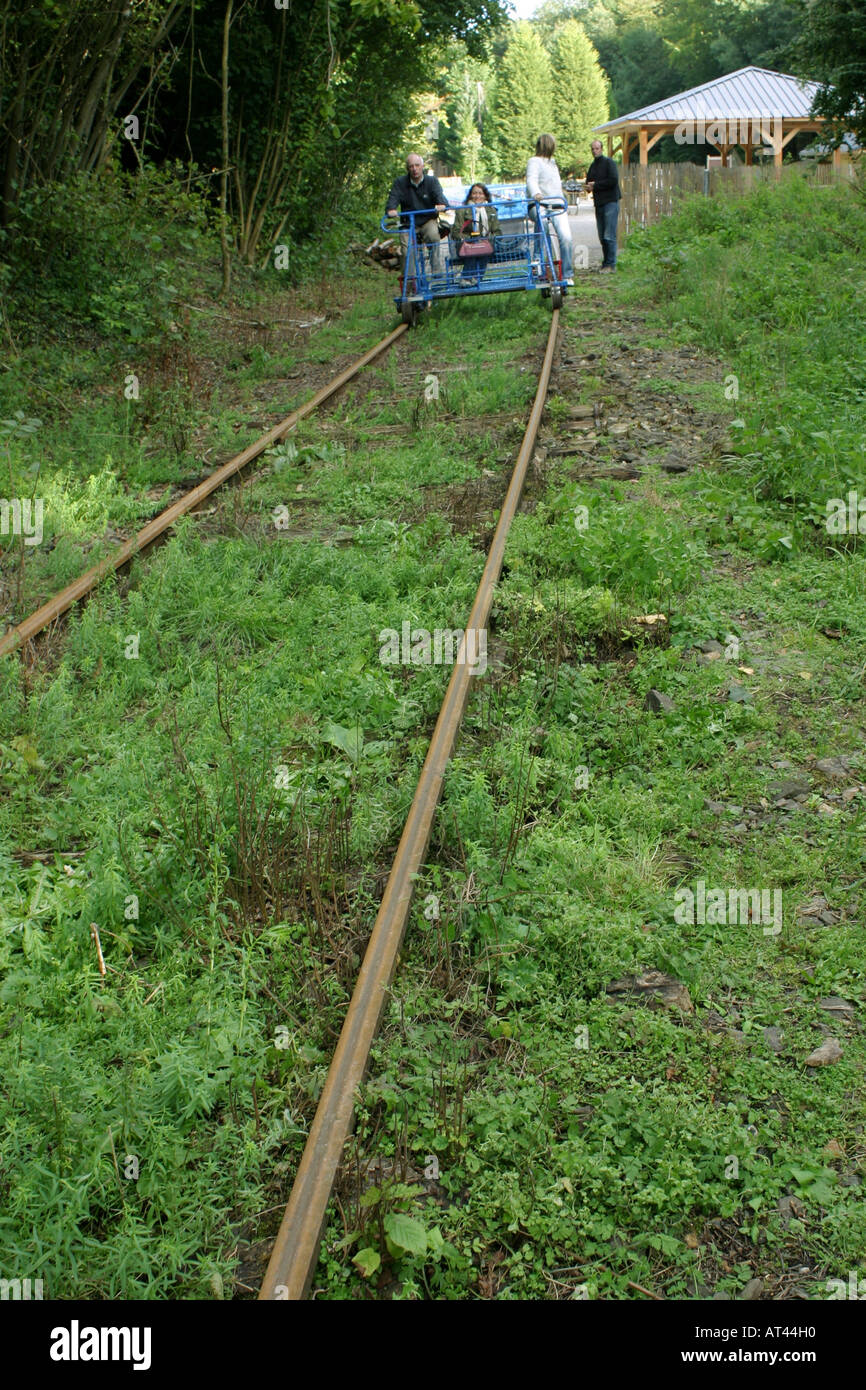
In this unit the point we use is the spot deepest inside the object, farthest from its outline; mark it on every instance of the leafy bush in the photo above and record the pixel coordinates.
(105, 250)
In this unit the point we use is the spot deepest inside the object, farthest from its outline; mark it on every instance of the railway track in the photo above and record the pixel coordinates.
(85, 584)
(295, 1252)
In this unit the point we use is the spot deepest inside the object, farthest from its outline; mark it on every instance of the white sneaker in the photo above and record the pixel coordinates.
(569, 281)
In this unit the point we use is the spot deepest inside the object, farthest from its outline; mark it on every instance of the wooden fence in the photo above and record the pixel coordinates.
(654, 190)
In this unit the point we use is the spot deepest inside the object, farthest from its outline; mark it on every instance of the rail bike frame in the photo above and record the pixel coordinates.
(522, 260)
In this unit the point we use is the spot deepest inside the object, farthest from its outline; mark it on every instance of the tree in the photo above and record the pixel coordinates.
(524, 99)
(831, 49)
(465, 127)
(579, 95)
(320, 96)
(65, 69)
(639, 64)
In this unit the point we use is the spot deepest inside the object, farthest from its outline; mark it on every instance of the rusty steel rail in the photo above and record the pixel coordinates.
(79, 588)
(296, 1250)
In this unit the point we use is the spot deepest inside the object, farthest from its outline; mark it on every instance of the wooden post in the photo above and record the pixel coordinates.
(644, 175)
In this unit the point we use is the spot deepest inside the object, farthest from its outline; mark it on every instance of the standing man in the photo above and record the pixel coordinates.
(416, 191)
(602, 181)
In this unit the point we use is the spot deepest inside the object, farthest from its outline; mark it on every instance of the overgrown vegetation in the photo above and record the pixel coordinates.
(222, 798)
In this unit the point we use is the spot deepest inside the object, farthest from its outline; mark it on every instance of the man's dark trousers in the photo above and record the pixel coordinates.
(605, 221)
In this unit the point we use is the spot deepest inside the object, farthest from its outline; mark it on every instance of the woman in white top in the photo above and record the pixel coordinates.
(543, 181)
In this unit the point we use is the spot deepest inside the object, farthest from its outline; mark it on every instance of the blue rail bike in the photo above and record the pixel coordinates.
(523, 256)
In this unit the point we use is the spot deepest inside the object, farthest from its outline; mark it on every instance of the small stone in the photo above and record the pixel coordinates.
(753, 1290)
(825, 809)
(835, 768)
(773, 1038)
(712, 646)
(721, 1297)
(813, 913)
(657, 701)
(839, 1008)
(828, 1052)
(789, 1209)
(718, 808)
(789, 786)
(656, 988)
(739, 829)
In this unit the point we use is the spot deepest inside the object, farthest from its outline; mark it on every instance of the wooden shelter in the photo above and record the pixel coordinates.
(753, 108)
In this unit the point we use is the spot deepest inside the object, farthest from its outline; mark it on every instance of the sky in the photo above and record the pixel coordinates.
(524, 9)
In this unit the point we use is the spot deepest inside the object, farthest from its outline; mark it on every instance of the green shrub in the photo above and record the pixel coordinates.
(106, 250)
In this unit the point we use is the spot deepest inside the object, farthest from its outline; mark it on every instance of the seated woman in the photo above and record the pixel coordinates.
(476, 223)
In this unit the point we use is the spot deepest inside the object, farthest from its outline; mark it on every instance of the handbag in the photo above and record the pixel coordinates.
(479, 247)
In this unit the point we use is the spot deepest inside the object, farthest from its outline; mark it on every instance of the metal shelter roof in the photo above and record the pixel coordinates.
(748, 93)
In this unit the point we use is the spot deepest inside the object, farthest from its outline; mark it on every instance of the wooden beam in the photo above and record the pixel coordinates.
(655, 139)
(644, 145)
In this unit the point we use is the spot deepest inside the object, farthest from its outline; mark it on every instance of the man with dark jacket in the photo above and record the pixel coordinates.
(416, 191)
(602, 181)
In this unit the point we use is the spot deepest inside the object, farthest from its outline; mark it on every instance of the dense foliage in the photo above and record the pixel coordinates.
(295, 105)
(831, 47)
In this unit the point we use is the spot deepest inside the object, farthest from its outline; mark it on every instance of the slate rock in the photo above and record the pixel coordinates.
(656, 988)
(789, 1209)
(788, 787)
(839, 1008)
(836, 768)
(815, 913)
(829, 1051)
(657, 701)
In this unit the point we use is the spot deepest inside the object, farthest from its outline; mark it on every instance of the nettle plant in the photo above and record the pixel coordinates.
(389, 1234)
